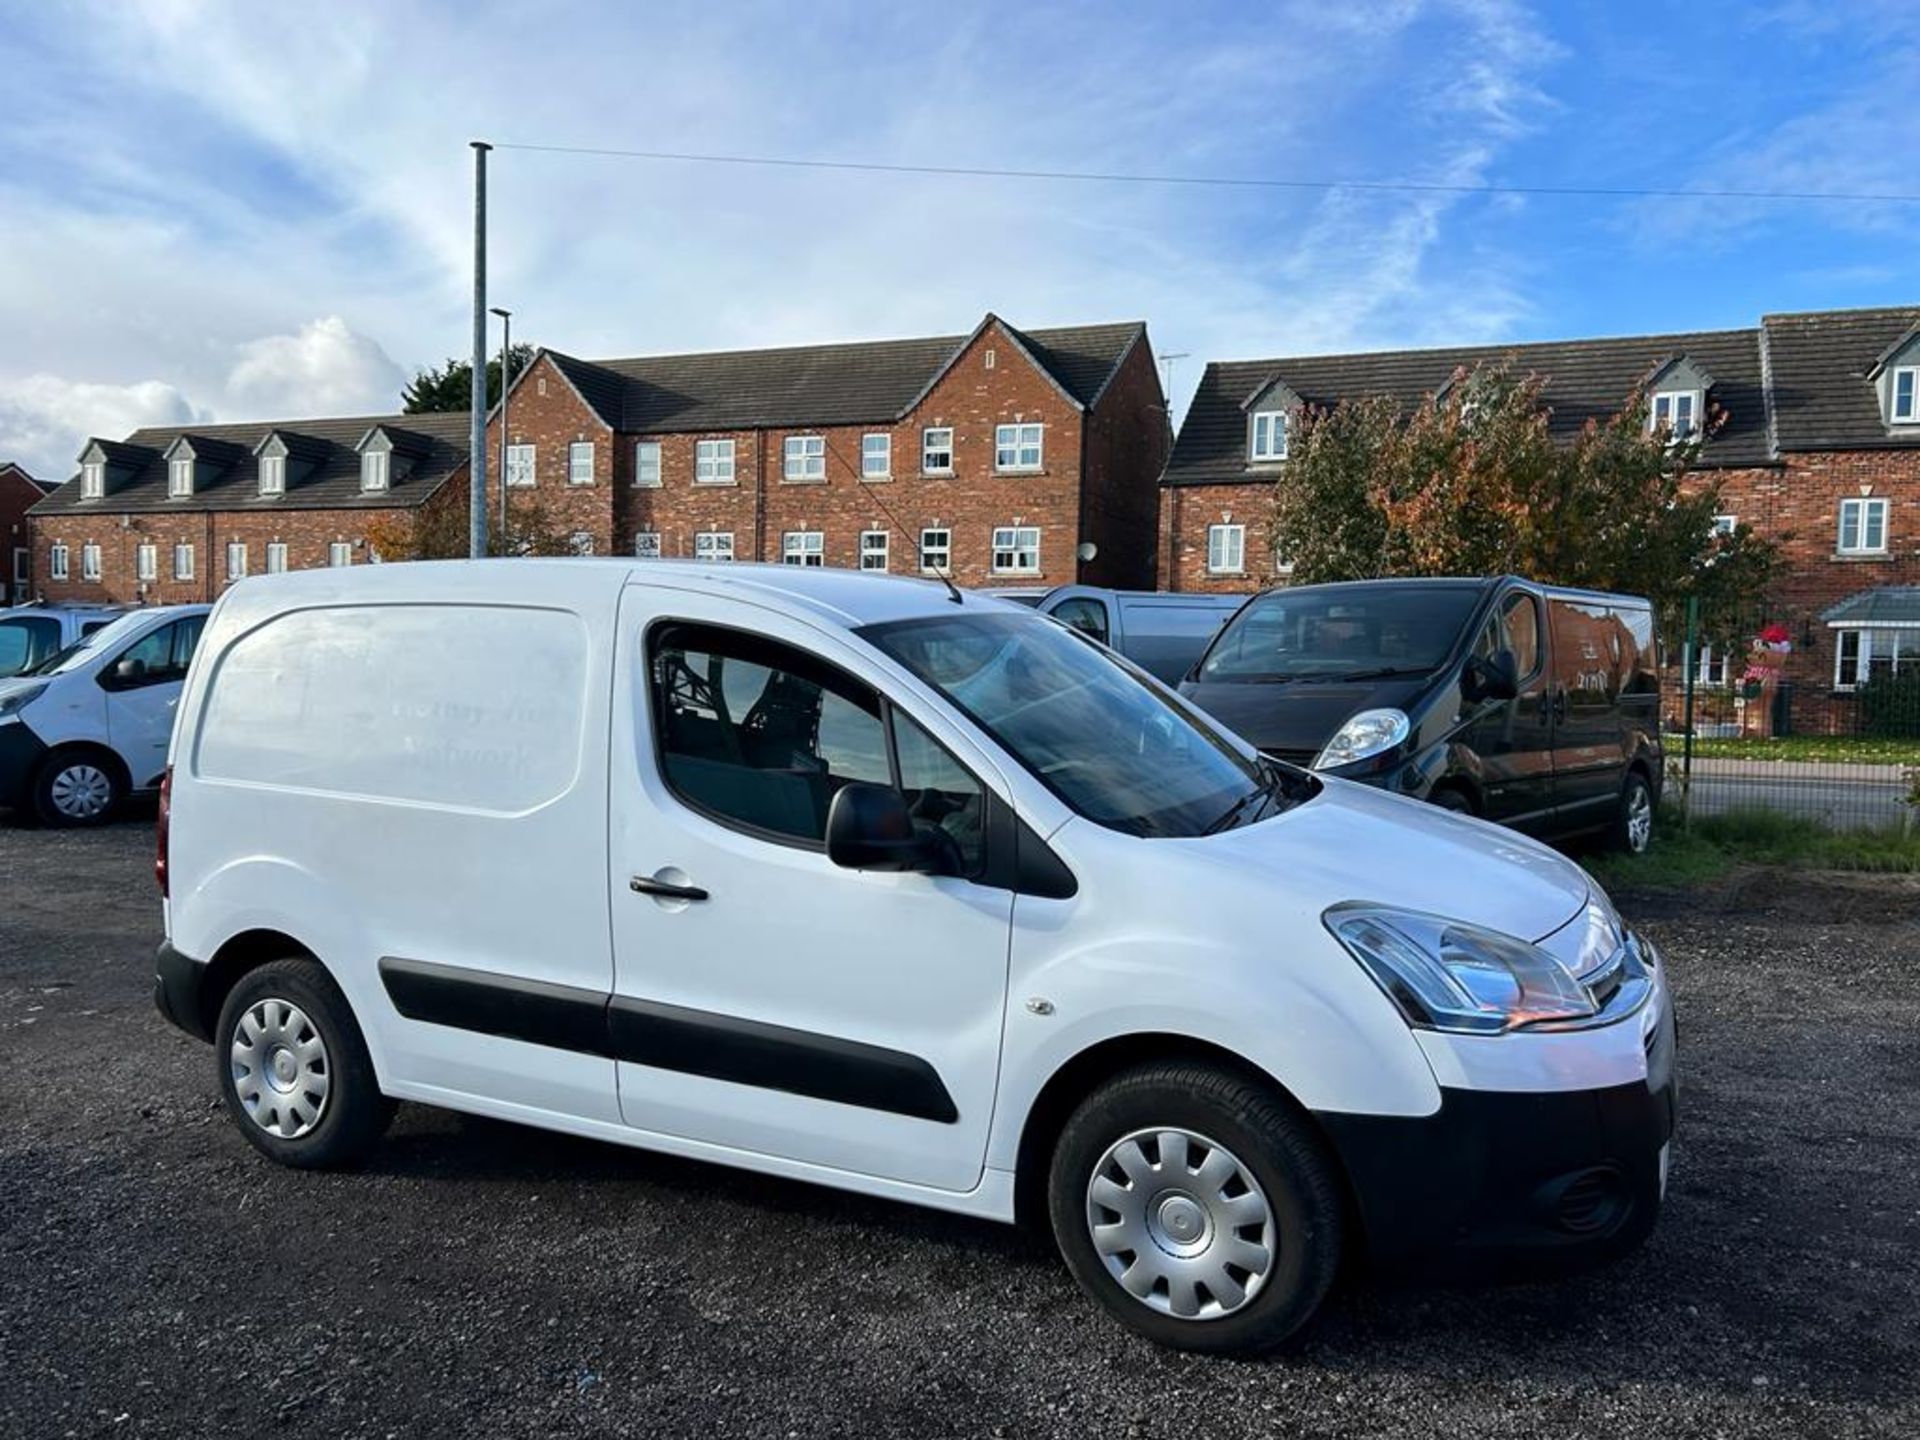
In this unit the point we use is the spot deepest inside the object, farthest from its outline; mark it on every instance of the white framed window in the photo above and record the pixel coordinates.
(1861, 654)
(1863, 527)
(713, 545)
(580, 543)
(646, 463)
(1268, 440)
(1905, 392)
(1016, 550)
(936, 550)
(580, 463)
(277, 557)
(876, 457)
(1017, 447)
(1709, 669)
(520, 462)
(236, 560)
(340, 554)
(183, 560)
(936, 450)
(375, 467)
(646, 545)
(93, 484)
(1725, 524)
(89, 561)
(803, 547)
(273, 474)
(1677, 412)
(805, 458)
(873, 549)
(146, 562)
(713, 463)
(57, 562)
(180, 477)
(1226, 549)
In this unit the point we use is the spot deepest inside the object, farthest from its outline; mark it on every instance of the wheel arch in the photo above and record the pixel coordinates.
(1081, 1074)
(99, 750)
(237, 956)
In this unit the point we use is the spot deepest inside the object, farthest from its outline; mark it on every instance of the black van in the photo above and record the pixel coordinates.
(1531, 705)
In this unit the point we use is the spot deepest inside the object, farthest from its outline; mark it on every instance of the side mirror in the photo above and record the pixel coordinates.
(1494, 679)
(129, 672)
(869, 828)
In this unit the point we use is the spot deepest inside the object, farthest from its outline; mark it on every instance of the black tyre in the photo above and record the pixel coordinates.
(1457, 801)
(1197, 1207)
(294, 1069)
(78, 787)
(1632, 828)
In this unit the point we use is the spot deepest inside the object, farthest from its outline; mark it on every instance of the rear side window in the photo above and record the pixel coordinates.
(762, 736)
(26, 641)
(1639, 664)
(479, 707)
(1086, 615)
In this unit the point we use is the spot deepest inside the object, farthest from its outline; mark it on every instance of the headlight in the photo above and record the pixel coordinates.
(12, 704)
(1448, 975)
(1364, 734)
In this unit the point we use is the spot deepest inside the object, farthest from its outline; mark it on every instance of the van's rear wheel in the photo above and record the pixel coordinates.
(294, 1070)
(77, 787)
(1197, 1208)
(1632, 829)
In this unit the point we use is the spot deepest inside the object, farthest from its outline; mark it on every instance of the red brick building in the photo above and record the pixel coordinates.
(176, 513)
(1003, 456)
(19, 493)
(1817, 448)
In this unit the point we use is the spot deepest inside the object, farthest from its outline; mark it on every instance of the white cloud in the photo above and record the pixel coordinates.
(324, 369)
(45, 419)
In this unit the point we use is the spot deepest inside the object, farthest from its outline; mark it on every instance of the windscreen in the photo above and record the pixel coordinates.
(1117, 750)
(1337, 632)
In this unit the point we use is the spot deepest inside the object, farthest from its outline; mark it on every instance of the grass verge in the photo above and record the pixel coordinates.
(1827, 749)
(1715, 845)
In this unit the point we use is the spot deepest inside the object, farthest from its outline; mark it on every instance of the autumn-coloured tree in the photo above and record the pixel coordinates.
(1472, 482)
(438, 531)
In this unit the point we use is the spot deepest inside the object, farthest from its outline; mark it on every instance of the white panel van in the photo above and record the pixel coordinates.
(860, 881)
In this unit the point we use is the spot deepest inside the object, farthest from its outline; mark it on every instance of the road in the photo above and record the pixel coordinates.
(1845, 797)
(474, 1278)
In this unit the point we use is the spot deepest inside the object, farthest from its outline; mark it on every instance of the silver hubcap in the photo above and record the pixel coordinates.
(1181, 1223)
(280, 1069)
(1639, 820)
(81, 792)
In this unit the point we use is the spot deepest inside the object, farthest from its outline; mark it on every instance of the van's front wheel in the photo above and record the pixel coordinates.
(77, 787)
(1197, 1208)
(294, 1070)
(1633, 822)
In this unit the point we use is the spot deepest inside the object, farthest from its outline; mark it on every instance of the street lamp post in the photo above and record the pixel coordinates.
(477, 437)
(506, 381)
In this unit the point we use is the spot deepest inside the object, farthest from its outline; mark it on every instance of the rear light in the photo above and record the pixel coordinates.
(160, 831)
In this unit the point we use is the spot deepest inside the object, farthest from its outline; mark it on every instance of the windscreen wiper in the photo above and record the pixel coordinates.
(1232, 812)
(1383, 673)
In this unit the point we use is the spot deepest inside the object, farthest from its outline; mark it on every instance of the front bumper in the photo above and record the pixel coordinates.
(1503, 1175)
(179, 985)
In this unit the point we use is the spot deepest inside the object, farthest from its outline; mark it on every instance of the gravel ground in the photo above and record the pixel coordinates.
(158, 1278)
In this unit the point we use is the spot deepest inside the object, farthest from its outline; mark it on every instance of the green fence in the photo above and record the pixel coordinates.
(1773, 709)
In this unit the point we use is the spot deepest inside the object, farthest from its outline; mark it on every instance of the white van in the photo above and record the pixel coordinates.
(845, 878)
(89, 724)
(30, 634)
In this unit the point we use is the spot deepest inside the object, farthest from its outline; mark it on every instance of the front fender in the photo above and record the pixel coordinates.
(1315, 1023)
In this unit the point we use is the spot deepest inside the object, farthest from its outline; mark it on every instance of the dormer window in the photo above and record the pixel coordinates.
(374, 470)
(1268, 441)
(1905, 392)
(273, 474)
(180, 477)
(93, 480)
(1677, 412)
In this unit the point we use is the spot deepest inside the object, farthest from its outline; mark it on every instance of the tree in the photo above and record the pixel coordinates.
(450, 386)
(438, 531)
(1472, 482)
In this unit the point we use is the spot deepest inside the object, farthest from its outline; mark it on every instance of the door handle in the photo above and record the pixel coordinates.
(664, 889)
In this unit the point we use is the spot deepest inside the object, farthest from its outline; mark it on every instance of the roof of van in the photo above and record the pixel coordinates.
(1567, 592)
(847, 598)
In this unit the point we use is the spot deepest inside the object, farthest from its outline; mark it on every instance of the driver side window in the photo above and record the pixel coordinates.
(1517, 628)
(762, 736)
(160, 656)
(1086, 615)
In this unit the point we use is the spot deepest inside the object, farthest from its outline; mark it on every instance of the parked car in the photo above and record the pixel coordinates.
(827, 876)
(1534, 706)
(90, 724)
(1161, 633)
(29, 634)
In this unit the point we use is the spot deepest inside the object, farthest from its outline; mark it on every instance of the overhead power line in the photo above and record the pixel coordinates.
(1240, 182)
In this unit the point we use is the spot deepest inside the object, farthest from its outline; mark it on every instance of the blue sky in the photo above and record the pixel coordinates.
(242, 210)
